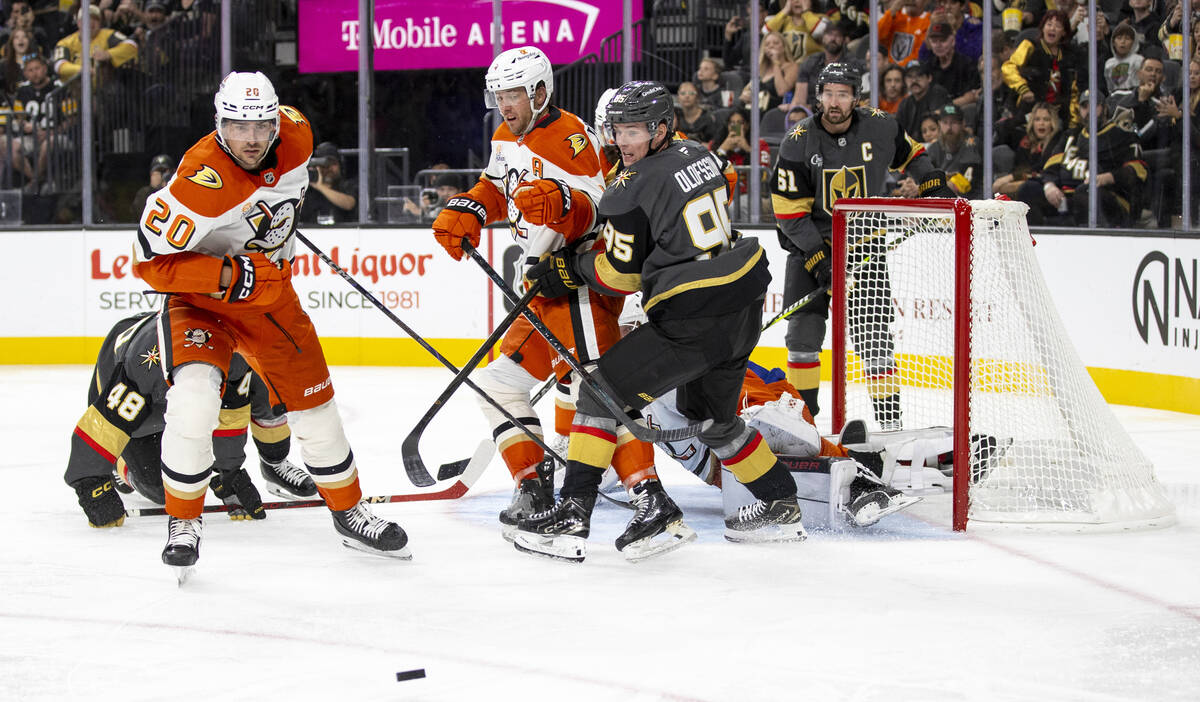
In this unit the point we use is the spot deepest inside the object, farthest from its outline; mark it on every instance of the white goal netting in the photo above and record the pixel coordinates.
(1044, 448)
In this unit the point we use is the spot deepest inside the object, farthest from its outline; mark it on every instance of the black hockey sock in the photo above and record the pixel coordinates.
(810, 400)
(581, 480)
(775, 484)
(275, 452)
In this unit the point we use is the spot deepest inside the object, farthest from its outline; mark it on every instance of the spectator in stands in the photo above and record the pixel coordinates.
(1065, 180)
(802, 27)
(18, 47)
(923, 97)
(38, 122)
(902, 30)
(968, 30)
(776, 71)
(1079, 36)
(110, 50)
(1146, 22)
(1121, 71)
(955, 153)
(1043, 70)
(930, 130)
(1022, 162)
(892, 89)
(1171, 119)
(1004, 103)
(732, 142)
(712, 88)
(950, 69)
(833, 50)
(1144, 101)
(21, 17)
(691, 117)
(161, 169)
(433, 200)
(736, 50)
(126, 18)
(855, 22)
(331, 198)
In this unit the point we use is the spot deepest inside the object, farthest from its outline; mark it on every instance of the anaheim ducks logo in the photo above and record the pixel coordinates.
(292, 114)
(197, 337)
(207, 177)
(578, 142)
(272, 226)
(848, 181)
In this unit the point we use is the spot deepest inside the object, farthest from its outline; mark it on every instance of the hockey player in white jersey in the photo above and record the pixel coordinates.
(545, 178)
(218, 239)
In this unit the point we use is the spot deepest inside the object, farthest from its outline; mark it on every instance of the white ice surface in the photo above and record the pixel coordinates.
(278, 609)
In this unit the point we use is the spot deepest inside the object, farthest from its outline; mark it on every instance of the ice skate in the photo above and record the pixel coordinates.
(656, 528)
(119, 482)
(887, 412)
(874, 502)
(183, 545)
(363, 531)
(559, 532)
(986, 450)
(760, 521)
(238, 493)
(533, 495)
(853, 433)
(286, 480)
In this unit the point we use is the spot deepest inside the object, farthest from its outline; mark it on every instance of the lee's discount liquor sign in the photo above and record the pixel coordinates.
(414, 34)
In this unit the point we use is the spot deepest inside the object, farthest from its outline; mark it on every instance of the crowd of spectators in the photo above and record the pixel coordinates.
(931, 67)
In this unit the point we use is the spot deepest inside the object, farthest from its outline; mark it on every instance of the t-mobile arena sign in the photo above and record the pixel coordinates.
(413, 34)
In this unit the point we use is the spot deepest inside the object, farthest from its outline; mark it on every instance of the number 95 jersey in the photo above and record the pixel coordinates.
(215, 207)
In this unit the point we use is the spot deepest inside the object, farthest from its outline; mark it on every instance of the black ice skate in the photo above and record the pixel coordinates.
(118, 478)
(533, 495)
(759, 521)
(363, 531)
(237, 491)
(286, 480)
(559, 532)
(183, 545)
(871, 501)
(657, 527)
(887, 412)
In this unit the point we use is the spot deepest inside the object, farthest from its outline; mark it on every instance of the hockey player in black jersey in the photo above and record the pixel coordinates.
(668, 236)
(842, 151)
(116, 443)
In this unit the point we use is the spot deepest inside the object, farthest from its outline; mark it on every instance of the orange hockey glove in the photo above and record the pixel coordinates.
(462, 218)
(255, 279)
(543, 201)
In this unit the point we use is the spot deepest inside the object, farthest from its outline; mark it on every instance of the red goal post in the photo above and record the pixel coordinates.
(941, 318)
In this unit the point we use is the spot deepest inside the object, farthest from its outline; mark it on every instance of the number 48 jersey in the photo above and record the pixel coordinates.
(215, 207)
(668, 234)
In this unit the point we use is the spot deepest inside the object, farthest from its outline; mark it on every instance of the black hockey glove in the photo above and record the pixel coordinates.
(100, 502)
(934, 185)
(556, 273)
(255, 278)
(820, 265)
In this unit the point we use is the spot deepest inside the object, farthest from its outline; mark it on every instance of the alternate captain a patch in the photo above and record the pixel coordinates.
(197, 337)
(839, 183)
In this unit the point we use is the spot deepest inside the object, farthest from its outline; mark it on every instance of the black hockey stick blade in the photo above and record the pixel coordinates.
(452, 469)
(470, 475)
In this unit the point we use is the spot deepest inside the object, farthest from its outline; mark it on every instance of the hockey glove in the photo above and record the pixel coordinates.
(934, 185)
(543, 201)
(820, 265)
(100, 502)
(463, 218)
(255, 278)
(556, 274)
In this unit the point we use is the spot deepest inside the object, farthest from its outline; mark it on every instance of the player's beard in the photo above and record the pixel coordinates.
(829, 116)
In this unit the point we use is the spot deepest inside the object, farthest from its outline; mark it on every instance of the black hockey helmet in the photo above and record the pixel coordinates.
(840, 74)
(642, 101)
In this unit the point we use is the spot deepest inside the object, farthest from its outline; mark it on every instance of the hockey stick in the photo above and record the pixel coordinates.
(483, 456)
(850, 272)
(418, 474)
(639, 430)
(409, 449)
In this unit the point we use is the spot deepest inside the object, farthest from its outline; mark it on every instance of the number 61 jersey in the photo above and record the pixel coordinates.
(215, 207)
(668, 235)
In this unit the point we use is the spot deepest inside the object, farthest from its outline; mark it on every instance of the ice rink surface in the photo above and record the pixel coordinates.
(278, 609)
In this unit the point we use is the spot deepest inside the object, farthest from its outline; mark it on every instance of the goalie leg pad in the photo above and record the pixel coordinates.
(781, 423)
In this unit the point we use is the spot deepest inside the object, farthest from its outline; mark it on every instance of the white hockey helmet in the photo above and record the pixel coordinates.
(523, 67)
(246, 97)
(599, 122)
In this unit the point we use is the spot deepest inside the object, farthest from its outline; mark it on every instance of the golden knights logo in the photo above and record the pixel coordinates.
(838, 183)
(152, 358)
(272, 225)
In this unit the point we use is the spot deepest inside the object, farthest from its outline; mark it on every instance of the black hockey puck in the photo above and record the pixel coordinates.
(410, 674)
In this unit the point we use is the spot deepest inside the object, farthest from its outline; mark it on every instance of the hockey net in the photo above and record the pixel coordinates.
(984, 352)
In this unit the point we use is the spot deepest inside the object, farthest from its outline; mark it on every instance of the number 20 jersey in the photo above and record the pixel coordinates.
(214, 206)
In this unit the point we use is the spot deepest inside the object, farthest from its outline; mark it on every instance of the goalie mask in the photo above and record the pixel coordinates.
(525, 67)
(247, 110)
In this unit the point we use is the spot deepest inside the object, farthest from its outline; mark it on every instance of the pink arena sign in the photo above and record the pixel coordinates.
(415, 34)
